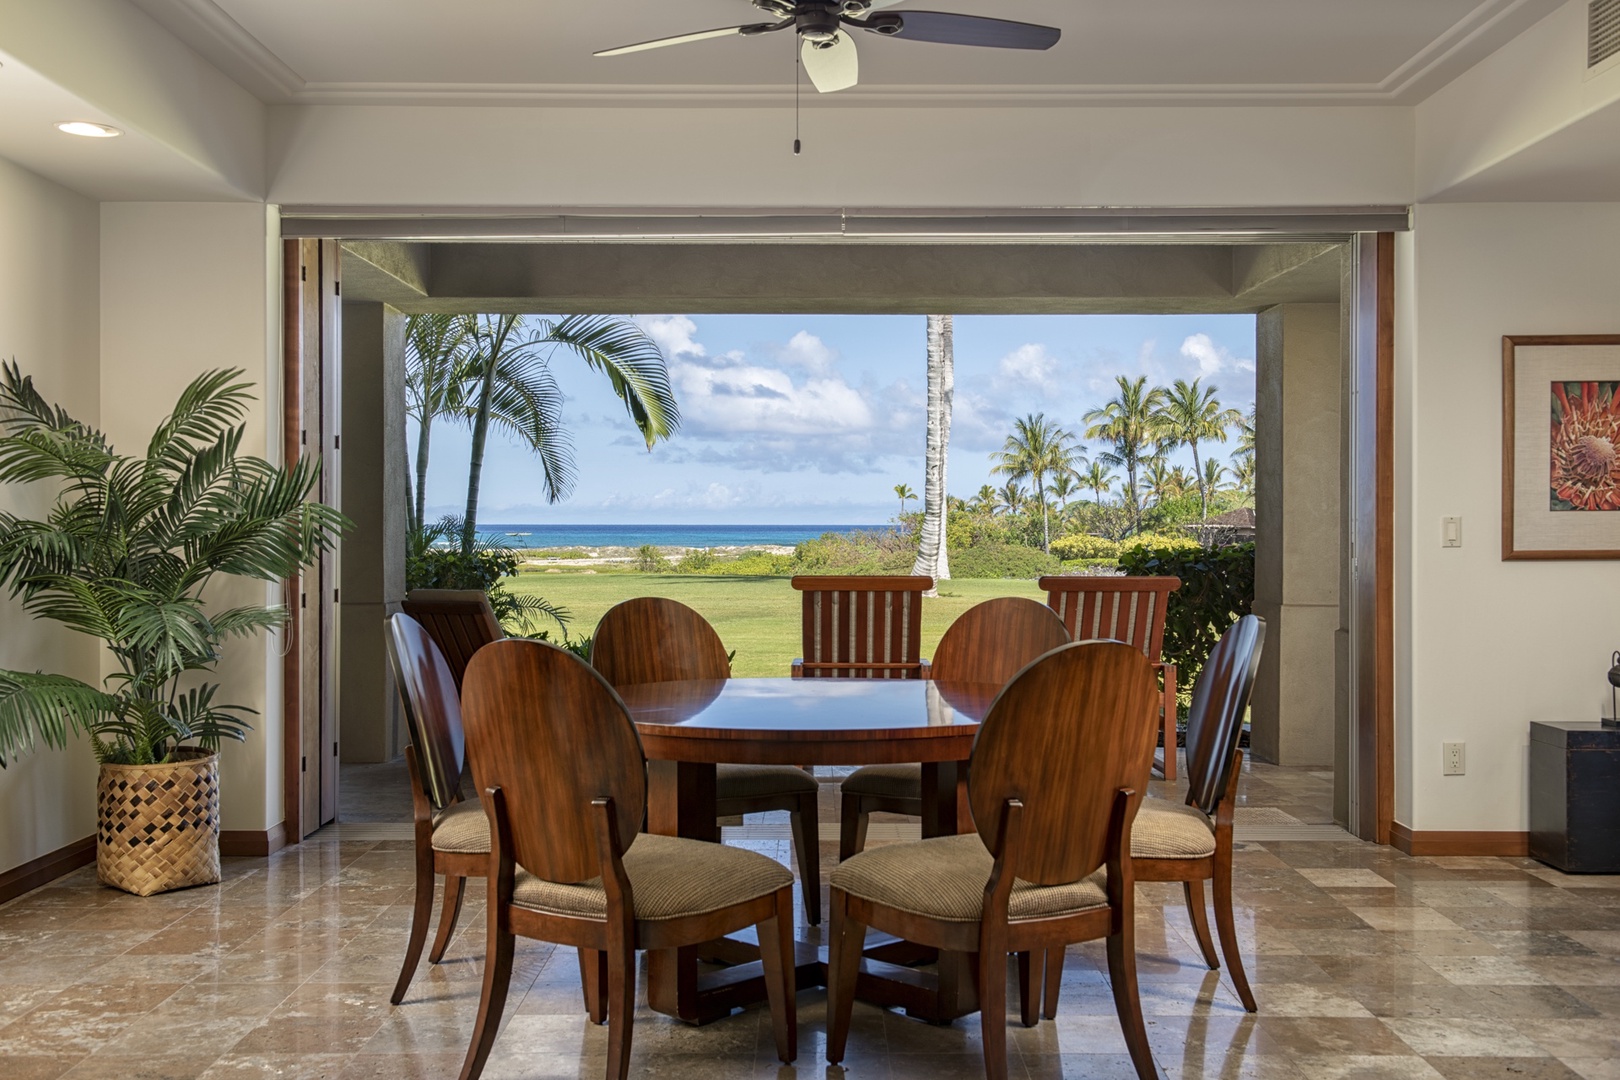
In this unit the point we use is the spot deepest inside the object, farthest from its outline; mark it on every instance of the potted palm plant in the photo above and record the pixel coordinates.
(127, 554)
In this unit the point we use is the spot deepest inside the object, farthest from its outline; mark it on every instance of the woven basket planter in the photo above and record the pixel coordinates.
(157, 826)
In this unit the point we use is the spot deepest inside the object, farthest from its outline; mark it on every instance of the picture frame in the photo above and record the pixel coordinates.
(1561, 446)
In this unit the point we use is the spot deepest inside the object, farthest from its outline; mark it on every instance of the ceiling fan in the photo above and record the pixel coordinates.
(828, 51)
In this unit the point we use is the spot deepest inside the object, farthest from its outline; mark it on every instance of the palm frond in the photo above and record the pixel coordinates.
(633, 363)
(37, 707)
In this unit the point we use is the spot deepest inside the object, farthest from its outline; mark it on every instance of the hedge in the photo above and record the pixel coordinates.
(1085, 546)
(1217, 588)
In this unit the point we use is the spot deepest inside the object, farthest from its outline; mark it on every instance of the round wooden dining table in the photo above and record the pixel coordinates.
(689, 727)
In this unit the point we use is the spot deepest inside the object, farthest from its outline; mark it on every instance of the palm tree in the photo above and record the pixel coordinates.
(516, 391)
(1129, 423)
(1036, 450)
(1190, 414)
(1158, 480)
(1243, 473)
(1245, 440)
(1212, 480)
(904, 493)
(932, 558)
(1064, 487)
(1010, 497)
(1181, 482)
(984, 501)
(435, 385)
(1098, 478)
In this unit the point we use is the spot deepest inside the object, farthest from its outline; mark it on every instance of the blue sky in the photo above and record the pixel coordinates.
(812, 419)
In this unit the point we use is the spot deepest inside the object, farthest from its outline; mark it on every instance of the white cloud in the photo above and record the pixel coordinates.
(1212, 359)
(1030, 363)
(674, 334)
(807, 351)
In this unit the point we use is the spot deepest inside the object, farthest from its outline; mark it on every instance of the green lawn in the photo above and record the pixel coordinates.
(757, 616)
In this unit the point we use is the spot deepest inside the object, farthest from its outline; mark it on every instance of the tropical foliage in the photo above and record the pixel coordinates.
(127, 554)
(1217, 588)
(435, 559)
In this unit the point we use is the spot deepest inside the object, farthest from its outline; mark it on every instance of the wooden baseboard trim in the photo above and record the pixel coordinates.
(47, 868)
(253, 843)
(1423, 843)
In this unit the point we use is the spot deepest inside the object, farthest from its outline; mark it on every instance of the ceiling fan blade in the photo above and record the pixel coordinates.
(834, 68)
(951, 29)
(682, 39)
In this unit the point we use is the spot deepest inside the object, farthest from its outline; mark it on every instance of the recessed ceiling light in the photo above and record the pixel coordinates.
(88, 129)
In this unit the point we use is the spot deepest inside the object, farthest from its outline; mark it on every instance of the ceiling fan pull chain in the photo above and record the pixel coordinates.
(798, 81)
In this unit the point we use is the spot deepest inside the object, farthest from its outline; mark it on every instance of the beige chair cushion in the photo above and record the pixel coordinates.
(759, 781)
(669, 878)
(462, 828)
(885, 781)
(1171, 830)
(944, 878)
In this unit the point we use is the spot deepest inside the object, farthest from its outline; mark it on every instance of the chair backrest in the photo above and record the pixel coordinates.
(460, 621)
(1128, 609)
(1215, 718)
(862, 627)
(1064, 737)
(550, 732)
(993, 641)
(432, 708)
(651, 639)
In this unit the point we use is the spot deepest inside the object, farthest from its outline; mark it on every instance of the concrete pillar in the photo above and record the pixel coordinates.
(370, 726)
(1298, 510)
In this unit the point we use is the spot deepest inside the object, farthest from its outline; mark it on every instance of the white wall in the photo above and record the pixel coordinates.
(549, 157)
(186, 287)
(1485, 646)
(48, 324)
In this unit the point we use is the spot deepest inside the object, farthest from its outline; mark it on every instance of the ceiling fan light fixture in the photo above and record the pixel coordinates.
(888, 25)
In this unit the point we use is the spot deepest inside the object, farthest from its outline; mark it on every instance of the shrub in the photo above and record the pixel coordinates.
(434, 560)
(1160, 542)
(695, 561)
(1085, 546)
(650, 561)
(754, 564)
(1101, 567)
(1002, 561)
(857, 553)
(1217, 588)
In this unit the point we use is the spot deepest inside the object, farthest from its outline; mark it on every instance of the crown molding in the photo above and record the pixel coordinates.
(202, 23)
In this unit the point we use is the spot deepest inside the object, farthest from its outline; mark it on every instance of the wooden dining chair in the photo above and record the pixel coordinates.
(460, 621)
(862, 627)
(1058, 770)
(988, 643)
(650, 639)
(452, 836)
(1128, 609)
(565, 788)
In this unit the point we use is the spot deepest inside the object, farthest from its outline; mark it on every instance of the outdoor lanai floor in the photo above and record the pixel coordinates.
(1366, 963)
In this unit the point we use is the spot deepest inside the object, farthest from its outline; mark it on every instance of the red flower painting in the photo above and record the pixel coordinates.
(1585, 446)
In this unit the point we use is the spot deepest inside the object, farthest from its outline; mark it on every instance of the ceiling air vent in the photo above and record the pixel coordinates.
(1602, 31)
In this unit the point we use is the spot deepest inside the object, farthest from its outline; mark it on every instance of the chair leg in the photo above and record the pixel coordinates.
(492, 1002)
(1054, 979)
(593, 980)
(993, 1011)
(454, 887)
(1170, 710)
(421, 915)
(846, 942)
(807, 842)
(1030, 967)
(621, 1009)
(781, 982)
(851, 828)
(1194, 892)
(1128, 1000)
(1225, 926)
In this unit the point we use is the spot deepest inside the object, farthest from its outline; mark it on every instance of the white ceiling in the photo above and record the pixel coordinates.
(485, 51)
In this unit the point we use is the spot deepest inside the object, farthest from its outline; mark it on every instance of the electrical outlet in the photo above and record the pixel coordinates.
(1455, 759)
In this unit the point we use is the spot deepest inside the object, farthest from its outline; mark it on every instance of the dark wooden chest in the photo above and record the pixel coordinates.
(1575, 796)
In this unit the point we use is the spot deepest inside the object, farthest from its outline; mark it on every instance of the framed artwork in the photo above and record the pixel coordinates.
(1561, 447)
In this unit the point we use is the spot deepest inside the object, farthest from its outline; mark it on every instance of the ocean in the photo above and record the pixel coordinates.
(597, 536)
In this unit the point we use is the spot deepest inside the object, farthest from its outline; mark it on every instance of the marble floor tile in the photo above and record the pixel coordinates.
(1365, 964)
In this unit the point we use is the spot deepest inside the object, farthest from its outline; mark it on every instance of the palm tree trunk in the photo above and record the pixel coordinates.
(1203, 491)
(486, 391)
(932, 558)
(1046, 528)
(423, 438)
